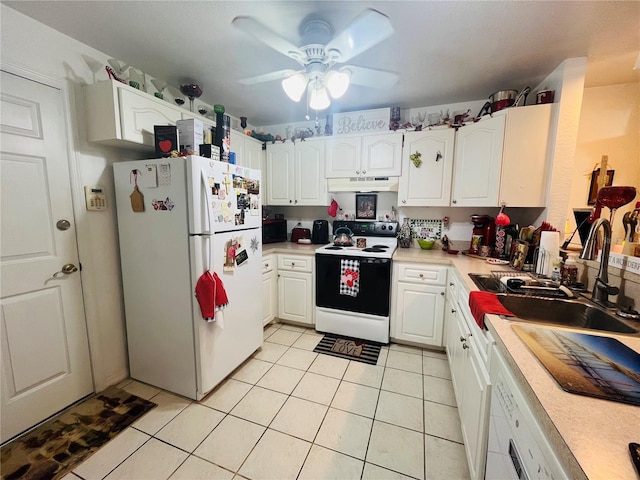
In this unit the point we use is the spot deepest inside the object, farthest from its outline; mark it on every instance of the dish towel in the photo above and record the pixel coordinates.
(349, 277)
(485, 302)
(211, 297)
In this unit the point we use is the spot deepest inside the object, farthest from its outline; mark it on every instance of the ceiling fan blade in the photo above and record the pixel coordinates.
(368, 29)
(251, 26)
(267, 77)
(371, 77)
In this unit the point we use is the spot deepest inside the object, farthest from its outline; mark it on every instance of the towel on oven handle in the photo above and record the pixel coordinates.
(349, 277)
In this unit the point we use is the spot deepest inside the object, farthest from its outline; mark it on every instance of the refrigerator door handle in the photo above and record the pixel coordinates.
(205, 190)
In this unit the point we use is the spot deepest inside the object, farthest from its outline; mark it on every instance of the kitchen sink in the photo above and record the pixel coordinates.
(565, 313)
(487, 283)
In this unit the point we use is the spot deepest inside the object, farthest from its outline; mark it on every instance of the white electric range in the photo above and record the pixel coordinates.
(353, 284)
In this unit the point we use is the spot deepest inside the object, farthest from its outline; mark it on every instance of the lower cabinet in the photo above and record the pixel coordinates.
(269, 289)
(417, 303)
(467, 349)
(296, 293)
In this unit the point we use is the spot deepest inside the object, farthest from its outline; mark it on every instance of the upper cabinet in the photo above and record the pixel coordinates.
(429, 183)
(376, 155)
(503, 159)
(248, 150)
(295, 173)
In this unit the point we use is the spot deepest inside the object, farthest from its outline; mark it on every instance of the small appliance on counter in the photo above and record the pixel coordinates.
(320, 232)
(298, 234)
(274, 230)
(483, 234)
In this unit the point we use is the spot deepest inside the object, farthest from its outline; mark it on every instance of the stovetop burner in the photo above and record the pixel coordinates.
(373, 249)
(333, 247)
(380, 246)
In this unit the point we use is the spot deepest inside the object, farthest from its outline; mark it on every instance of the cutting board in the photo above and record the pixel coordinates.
(586, 364)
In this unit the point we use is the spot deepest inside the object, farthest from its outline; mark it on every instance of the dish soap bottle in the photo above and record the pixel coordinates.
(569, 275)
(556, 270)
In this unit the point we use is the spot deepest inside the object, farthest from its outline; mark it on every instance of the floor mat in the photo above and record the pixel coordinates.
(61, 443)
(363, 351)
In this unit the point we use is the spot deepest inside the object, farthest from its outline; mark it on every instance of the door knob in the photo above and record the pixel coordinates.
(63, 224)
(67, 269)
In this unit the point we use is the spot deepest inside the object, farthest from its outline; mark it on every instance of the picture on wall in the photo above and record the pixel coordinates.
(593, 187)
(366, 206)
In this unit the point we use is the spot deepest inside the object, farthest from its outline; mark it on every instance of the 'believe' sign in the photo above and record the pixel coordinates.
(365, 121)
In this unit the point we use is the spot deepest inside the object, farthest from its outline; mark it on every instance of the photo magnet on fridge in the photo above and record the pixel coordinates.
(166, 139)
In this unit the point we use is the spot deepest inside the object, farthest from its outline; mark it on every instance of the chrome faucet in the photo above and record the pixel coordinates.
(601, 287)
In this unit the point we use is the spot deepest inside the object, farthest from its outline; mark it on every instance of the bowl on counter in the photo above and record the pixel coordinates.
(425, 243)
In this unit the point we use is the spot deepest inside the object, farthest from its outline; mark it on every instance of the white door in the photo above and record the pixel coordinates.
(45, 352)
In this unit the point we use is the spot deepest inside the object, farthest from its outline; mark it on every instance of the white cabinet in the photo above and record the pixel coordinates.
(503, 159)
(295, 173)
(248, 150)
(118, 114)
(376, 155)
(430, 183)
(269, 289)
(468, 350)
(296, 293)
(417, 303)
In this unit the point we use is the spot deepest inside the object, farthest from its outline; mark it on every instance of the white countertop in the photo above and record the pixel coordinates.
(589, 435)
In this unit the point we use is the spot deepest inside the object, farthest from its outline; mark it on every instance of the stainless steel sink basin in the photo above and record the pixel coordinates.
(565, 313)
(487, 283)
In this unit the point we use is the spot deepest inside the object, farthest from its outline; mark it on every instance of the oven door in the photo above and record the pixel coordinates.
(374, 290)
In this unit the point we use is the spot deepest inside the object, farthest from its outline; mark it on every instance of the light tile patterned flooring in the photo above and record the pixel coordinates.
(289, 413)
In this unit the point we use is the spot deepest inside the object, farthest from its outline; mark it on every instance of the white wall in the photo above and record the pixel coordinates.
(609, 125)
(35, 47)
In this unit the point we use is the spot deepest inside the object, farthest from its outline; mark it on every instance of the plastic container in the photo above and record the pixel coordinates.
(569, 273)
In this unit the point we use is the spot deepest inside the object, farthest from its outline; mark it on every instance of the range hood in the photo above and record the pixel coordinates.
(363, 184)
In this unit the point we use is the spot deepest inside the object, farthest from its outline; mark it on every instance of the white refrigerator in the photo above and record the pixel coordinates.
(177, 219)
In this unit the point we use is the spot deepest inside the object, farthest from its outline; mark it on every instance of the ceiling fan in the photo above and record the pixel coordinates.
(322, 57)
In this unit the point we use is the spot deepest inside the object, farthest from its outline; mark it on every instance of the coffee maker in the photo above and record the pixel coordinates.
(320, 232)
(483, 235)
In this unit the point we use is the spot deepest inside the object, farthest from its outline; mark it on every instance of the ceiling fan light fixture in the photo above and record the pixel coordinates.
(294, 86)
(337, 82)
(319, 98)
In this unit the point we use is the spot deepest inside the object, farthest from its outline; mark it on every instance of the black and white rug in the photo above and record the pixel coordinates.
(364, 351)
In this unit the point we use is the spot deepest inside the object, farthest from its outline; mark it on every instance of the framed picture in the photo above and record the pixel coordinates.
(593, 186)
(519, 254)
(366, 206)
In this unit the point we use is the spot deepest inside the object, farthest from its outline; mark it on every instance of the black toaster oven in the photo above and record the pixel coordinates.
(274, 230)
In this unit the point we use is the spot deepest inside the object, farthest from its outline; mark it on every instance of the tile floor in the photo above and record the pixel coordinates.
(289, 413)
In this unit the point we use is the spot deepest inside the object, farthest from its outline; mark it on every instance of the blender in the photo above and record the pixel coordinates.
(483, 234)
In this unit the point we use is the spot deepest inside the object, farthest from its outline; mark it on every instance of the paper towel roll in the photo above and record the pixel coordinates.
(548, 252)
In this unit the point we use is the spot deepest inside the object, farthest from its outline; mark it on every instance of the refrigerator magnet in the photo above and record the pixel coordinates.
(255, 243)
(137, 198)
(164, 175)
(150, 177)
(242, 256)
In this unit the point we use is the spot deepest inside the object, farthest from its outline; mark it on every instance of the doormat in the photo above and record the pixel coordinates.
(58, 445)
(363, 351)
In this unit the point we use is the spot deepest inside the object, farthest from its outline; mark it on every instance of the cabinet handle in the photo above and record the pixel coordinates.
(290, 201)
(442, 293)
(358, 172)
(451, 284)
(453, 310)
(438, 156)
(462, 339)
(364, 172)
(293, 264)
(404, 201)
(296, 201)
(465, 346)
(454, 201)
(421, 275)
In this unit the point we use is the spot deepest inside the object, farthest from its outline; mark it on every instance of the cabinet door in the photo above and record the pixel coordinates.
(419, 311)
(524, 159)
(474, 414)
(343, 157)
(238, 147)
(253, 153)
(457, 340)
(269, 297)
(478, 157)
(430, 183)
(382, 155)
(280, 174)
(139, 114)
(310, 180)
(295, 295)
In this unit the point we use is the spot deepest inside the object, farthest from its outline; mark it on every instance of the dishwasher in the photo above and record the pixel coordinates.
(517, 447)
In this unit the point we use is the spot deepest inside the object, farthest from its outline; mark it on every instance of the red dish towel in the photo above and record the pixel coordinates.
(211, 295)
(485, 302)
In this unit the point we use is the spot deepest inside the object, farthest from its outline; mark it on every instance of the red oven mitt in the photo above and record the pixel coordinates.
(486, 302)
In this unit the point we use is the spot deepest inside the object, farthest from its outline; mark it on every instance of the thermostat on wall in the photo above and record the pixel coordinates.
(95, 198)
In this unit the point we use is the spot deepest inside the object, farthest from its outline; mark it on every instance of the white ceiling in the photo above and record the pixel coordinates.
(444, 51)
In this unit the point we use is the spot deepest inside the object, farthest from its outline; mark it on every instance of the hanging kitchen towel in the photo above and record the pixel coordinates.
(485, 302)
(349, 277)
(211, 296)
